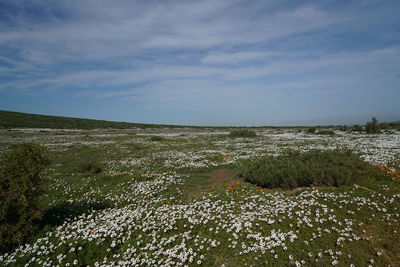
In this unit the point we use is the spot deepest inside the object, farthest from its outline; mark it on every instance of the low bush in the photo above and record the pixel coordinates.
(393, 125)
(242, 133)
(372, 126)
(319, 168)
(326, 132)
(20, 188)
(356, 128)
(156, 138)
(90, 167)
(311, 130)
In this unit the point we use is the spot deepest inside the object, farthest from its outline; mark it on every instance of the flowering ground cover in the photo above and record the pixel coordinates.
(125, 198)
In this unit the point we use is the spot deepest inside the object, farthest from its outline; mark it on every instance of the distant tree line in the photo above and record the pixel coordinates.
(372, 127)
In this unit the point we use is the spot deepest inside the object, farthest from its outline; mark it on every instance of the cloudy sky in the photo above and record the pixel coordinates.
(202, 62)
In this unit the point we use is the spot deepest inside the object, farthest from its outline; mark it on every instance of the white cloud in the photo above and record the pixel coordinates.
(178, 51)
(103, 33)
(356, 64)
(240, 57)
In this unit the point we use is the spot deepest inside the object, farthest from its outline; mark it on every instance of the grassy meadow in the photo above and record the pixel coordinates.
(175, 197)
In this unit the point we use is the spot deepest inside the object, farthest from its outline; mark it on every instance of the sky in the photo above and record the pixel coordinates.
(225, 63)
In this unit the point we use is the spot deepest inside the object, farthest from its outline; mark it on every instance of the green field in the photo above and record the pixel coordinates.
(161, 196)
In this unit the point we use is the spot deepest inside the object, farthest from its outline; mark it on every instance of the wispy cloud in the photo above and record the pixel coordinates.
(238, 57)
(200, 53)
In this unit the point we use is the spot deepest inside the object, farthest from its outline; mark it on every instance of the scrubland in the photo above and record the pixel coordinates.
(175, 197)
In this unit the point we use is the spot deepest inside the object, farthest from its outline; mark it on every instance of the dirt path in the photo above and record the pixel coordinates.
(223, 176)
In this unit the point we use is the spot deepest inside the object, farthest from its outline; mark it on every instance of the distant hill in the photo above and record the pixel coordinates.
(9, 119)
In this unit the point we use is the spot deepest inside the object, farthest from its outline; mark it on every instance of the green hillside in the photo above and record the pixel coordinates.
(10, 119)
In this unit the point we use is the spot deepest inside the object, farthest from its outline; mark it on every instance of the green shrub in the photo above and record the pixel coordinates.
(356, 128)
(372, 126)
(242, 133)
(326, 132)
(316, 167)
(156, 138)
(90, 167)
(311, 130)
(20, 187)
(394, 125)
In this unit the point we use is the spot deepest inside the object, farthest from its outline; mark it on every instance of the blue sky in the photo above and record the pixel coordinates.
(202, 62)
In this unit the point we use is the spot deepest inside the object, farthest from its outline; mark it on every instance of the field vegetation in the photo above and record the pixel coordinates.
(242, 133)
(196, 197)
(312, 168)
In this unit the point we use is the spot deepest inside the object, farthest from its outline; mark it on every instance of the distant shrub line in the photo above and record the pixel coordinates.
(371, 127)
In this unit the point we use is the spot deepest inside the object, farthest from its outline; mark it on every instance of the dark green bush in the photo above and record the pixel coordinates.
(393, 125)
(20, 187)
(90, 167)
(356, 128)
(311, 130)
(242, 133)
(316, 167)
(156, 138)
(326, 132)
(372, 126)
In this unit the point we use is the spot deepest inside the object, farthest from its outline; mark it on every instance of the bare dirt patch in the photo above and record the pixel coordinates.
(389, 259)
(223, 176)
(294, 190)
